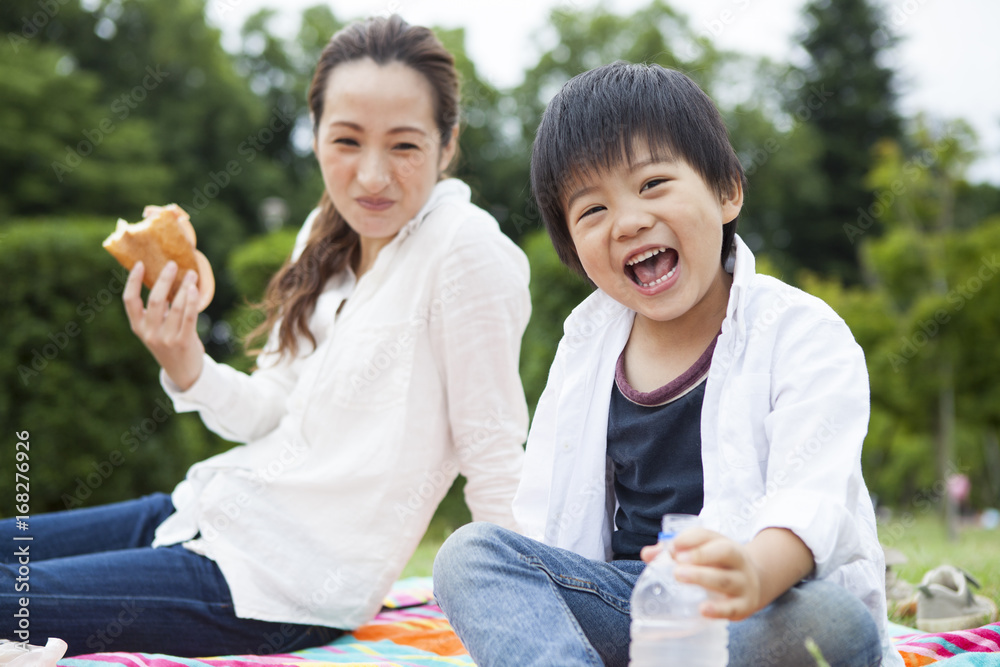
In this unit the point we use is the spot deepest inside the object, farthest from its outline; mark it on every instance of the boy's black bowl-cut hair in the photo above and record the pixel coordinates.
(594, 122)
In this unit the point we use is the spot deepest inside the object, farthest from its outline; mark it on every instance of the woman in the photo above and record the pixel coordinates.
(390, 367)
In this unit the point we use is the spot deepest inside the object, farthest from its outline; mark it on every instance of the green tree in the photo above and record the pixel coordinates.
(503, 123)
(163, 114)
(61, 148)
(494, 166)
(846, 96)
(933, 299)
(555, 291)
(781, 170)
(77, 379)
(143, 96)
(160, 66)
(280, 71)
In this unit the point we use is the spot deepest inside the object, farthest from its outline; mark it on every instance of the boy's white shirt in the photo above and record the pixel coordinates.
(784, 416)
(352, 446)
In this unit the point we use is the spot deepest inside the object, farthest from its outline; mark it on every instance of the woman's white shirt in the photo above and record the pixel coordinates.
(351, 446)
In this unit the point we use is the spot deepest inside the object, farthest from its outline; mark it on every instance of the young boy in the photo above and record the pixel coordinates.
(683, 384)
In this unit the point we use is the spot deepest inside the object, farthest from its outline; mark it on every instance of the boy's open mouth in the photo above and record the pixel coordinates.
(652, 267)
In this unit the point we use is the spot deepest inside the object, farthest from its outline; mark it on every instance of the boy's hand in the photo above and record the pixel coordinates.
(733, 571)
(722, 566)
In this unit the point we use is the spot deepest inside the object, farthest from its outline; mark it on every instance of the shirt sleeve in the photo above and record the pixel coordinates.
(816, 427)
(233, 404)
(531, 503)
(484, 306)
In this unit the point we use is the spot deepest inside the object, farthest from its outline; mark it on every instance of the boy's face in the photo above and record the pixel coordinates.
(650, 235)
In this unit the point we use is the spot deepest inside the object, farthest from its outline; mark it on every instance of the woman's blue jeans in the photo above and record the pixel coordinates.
(515, 601)
(94, 581)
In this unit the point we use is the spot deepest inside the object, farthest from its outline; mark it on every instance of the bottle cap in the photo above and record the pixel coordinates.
(672, 524)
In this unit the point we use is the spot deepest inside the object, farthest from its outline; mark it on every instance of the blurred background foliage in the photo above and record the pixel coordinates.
(113, 104)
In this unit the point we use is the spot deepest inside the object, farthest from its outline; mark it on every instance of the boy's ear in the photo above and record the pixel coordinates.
(732, 202)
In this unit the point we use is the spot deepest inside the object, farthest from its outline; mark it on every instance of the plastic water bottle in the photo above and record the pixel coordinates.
(667, 628)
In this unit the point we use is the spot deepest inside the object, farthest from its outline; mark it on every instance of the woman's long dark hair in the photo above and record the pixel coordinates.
(292, 293)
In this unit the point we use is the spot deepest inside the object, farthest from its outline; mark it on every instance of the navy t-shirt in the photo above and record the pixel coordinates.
(654, 443)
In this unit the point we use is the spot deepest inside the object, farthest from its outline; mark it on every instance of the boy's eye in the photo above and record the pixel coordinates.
(592, 209)
(652, 183)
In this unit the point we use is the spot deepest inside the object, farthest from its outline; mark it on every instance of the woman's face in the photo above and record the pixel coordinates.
(378, 146)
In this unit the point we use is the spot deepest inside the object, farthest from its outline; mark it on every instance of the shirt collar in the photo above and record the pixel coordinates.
(450, 190)
(742, 265)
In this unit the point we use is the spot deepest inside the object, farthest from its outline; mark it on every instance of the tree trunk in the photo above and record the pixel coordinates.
(946, 444)
(992, 458)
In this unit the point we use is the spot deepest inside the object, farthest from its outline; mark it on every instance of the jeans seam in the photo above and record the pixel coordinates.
(582, 585)
(592, 656)
(145, 599)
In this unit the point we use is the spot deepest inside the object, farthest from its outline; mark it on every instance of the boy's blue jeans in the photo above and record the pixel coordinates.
(96, 583)
(515, 601)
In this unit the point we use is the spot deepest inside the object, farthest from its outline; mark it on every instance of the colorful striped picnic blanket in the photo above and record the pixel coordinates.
(411, 631)
(964, 648)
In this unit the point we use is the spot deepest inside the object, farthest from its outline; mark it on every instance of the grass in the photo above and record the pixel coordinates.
(422, 561)
(450, 514)
(922, 539)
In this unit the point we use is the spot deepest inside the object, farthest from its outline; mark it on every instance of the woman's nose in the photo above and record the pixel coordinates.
(373, 171)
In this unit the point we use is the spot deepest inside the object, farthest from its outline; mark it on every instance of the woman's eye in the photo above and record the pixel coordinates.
(653, 183)
(345, 141)
(406, 147)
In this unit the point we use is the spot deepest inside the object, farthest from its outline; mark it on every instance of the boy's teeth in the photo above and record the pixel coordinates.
(644, 256)
(661, 278)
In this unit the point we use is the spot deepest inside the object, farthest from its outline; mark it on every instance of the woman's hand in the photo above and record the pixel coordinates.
(744, 577)
(167, 330)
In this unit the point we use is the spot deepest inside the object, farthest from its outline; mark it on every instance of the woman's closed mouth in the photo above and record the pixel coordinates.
(374, 203)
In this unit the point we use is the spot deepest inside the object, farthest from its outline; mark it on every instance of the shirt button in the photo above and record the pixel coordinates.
(566, 445)
(297, 404)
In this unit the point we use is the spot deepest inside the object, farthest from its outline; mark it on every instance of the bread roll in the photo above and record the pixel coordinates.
(165, 233)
